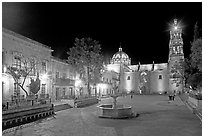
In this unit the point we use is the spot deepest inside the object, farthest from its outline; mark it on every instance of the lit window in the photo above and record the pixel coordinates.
(17, 62)
(44, 67)
(33, 66)
(16, 90)
(160, 77)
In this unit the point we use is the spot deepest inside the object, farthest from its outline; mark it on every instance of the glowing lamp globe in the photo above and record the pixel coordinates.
(78, 83)
(44, 76)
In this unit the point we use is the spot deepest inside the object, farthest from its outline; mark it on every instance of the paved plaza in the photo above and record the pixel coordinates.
(157, 117)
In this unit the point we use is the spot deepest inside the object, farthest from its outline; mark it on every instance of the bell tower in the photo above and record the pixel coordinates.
(176, 41)
(176, 58)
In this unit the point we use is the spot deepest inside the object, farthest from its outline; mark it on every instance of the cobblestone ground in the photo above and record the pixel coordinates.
(157, 117)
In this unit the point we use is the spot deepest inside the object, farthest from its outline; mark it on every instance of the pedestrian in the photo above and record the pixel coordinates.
(174, 94)
(75, 101)
(131, 96)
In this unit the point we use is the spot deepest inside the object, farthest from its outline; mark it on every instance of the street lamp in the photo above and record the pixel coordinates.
(78, 83)
(44, 76)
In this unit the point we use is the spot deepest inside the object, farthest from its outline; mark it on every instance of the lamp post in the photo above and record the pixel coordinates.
(77, 85)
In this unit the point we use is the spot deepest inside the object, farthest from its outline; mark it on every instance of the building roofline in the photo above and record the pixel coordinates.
(24, 38)
(59, 60)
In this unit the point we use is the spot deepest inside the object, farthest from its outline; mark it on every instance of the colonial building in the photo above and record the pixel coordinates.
(152, 78)
(59, 80)
(63, 76)
(109, 80)
(21, 53)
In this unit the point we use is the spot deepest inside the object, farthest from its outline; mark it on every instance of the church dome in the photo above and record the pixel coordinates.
(120, 57)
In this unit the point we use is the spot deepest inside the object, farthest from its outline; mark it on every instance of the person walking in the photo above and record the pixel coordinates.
(174, 94)
(75, 101)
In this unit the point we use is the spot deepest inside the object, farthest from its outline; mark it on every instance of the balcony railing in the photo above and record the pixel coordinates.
(63, 82)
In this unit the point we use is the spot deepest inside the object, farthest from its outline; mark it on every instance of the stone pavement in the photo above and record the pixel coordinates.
(157, 117)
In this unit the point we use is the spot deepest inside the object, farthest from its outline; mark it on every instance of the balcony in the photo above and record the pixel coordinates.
(63, 82)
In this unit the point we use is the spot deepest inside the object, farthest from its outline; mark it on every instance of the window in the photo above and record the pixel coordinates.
(33, 66)
(71, 91)
(43, 67)
(57, 93)
(63, 91)
(128, 78)
(17, 62)
(43, 89)
(160, 77)
(64, 75)
(16, 90)
(71, 76)
(3, 57)
(57, 74)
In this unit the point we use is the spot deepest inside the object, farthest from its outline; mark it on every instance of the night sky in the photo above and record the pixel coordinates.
(141, 28)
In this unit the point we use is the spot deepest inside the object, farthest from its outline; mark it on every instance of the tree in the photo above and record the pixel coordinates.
(196, 32)
(196, 54)
(193, 64)
(86, 57)
(20, 74)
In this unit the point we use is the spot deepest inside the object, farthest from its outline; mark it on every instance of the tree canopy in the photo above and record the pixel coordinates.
(20, 74)
(193, 63)
(86, 57)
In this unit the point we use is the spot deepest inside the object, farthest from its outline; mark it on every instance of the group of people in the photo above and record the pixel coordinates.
(172, 96)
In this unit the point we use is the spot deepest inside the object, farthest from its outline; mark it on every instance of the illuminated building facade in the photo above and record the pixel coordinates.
(152, 78)
(56, 76)
(63, 76)
(176, 58)
(16, 50)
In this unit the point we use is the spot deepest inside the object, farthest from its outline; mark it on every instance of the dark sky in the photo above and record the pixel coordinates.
(142, 28)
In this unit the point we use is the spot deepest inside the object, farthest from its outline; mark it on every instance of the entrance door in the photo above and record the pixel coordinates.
(57, 94)
(71, 91)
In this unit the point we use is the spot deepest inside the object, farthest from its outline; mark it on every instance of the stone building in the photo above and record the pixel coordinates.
(152, 78)
(59, 80)
(109, 80)
(63, 76)
(56, 76)
(16, 51)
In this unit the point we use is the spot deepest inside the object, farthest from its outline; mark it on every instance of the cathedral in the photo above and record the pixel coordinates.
(152, 78)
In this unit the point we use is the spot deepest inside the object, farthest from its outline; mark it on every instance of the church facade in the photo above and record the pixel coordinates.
(152, 78)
